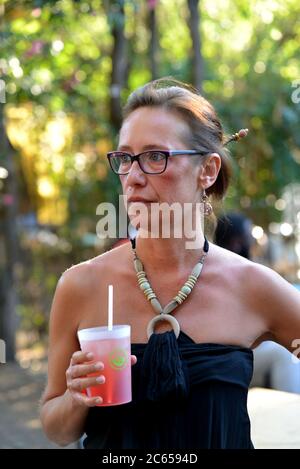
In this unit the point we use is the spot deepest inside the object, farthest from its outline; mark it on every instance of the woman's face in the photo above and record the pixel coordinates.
(156, 128)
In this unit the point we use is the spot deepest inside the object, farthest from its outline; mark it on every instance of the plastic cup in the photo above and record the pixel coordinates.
(112, 347)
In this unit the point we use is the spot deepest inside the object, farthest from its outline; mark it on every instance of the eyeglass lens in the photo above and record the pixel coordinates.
(150, 161)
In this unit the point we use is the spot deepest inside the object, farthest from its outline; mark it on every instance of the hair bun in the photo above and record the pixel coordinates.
(237, 136)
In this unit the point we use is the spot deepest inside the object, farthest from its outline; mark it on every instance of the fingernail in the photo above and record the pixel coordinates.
(98, 366)
(100, 379)
(98, 400)
(90, 355)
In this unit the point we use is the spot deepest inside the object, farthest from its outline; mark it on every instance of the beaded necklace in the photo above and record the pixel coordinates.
(183, 293)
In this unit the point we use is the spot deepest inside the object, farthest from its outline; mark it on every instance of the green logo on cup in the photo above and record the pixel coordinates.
(118, 359)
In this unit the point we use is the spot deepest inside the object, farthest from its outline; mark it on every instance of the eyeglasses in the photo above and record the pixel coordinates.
(150, 162)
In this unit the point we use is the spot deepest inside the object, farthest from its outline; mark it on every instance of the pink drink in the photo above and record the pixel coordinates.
(113, 349)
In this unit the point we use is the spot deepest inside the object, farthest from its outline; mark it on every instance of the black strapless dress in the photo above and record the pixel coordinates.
(213, 414)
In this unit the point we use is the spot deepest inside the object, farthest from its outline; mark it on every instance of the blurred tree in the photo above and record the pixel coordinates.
(8, 266)
(252, 59)
(154, 41)
(116, 18)
(196, 52)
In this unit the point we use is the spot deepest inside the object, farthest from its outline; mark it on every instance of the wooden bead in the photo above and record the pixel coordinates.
(141, 274)
(185, 289)
(156, 305)
(192, 280)
(170, 307)
(138, 265)
(150, 296)
(182, 295)
(189, 284)
(178, 299)
(197, 269)
(192, 277)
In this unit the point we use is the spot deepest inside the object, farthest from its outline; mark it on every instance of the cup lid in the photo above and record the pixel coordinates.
(94, 333)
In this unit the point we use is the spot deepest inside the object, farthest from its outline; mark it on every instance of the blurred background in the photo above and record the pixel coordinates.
(66, 69)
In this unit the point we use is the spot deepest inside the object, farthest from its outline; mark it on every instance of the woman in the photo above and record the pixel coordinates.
(190, 376)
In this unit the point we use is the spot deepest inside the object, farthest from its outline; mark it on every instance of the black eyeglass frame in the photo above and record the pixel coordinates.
(167, 154)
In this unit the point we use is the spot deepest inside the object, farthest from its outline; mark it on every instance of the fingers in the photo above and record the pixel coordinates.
(83, 370)
(92, 401)
(81, 357)
(79, 377)
(78, 389)
(133, 359)
(85, 401)
(82, 383)
(77, 371)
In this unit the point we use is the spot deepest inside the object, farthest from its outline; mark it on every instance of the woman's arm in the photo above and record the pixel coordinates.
(65, 405)
(63, 419)
(279, 302)
(63, 414)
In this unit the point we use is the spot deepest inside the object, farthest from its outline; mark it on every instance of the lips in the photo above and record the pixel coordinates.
(138, 199)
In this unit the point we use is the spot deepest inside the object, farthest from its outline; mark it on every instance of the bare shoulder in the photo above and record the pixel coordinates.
(231, 266)
(270, 305)
(234, 275)
(270, 288)
(82, 287)
(82, 277)
(274, 300)
(257, 281)
(254, 276)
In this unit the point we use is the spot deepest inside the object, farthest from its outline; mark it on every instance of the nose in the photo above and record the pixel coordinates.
(136, 175)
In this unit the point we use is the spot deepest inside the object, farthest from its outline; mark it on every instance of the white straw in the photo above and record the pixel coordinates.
(110, 307)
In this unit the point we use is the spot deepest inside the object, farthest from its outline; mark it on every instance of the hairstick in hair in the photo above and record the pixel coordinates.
(237, 136)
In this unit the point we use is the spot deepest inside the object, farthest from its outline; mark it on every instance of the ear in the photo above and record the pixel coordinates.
(209, 170)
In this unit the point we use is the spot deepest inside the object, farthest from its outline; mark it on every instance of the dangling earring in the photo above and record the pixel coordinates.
(207, 209)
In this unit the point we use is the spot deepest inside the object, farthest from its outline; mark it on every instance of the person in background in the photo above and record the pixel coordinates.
(273, 364)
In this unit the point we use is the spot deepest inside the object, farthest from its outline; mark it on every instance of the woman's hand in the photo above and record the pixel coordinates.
(78, 381)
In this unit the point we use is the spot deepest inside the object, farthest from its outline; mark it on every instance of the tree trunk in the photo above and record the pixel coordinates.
(197, 61)
(119, 62)
(8, 295)
(153, 49)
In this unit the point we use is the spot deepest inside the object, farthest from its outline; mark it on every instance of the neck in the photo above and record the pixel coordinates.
(169, 254)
